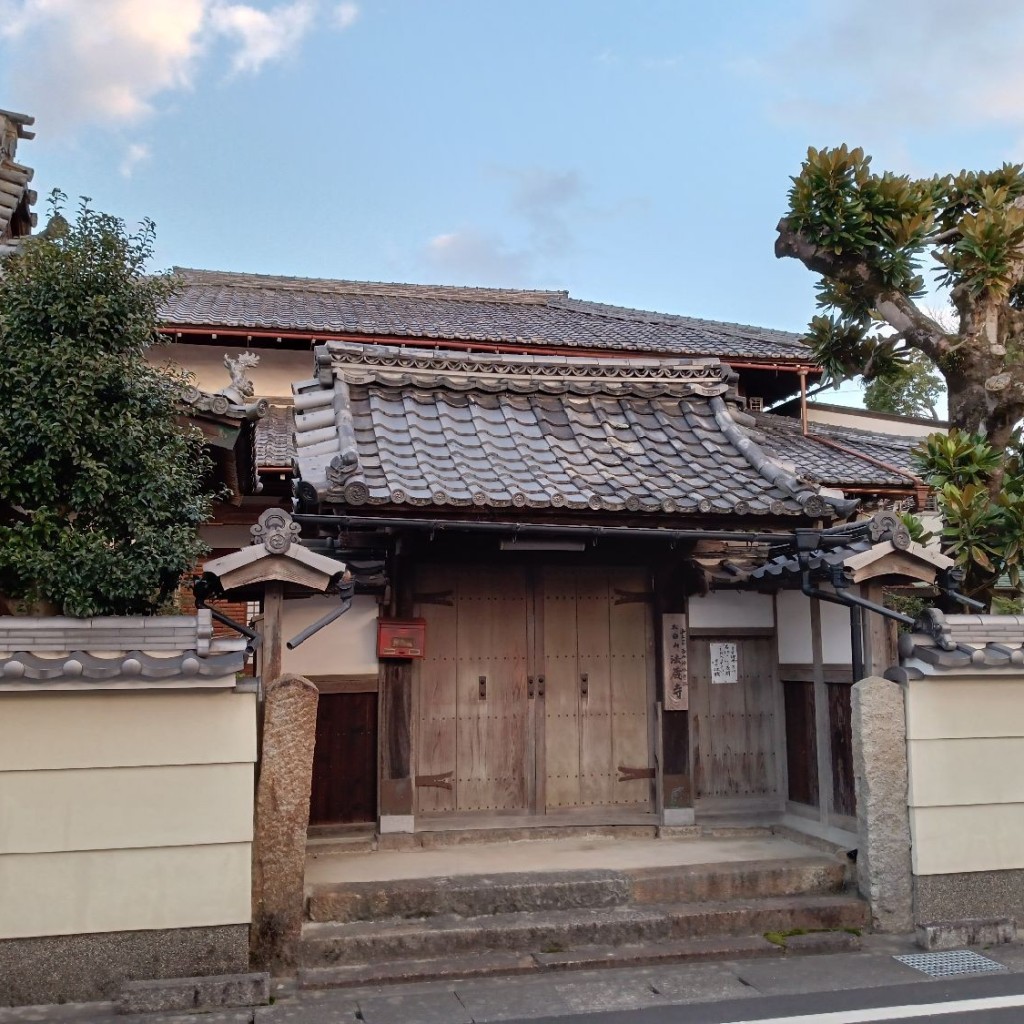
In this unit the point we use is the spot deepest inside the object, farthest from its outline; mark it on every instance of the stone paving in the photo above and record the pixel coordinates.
(483, 1000)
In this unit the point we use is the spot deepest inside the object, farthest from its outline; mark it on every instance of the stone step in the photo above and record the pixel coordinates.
(555, 931)
(499, 964)
(477, 895)
(332, 846)
(508, 832)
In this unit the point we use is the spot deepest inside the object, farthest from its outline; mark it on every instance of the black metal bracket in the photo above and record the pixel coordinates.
(207, 588)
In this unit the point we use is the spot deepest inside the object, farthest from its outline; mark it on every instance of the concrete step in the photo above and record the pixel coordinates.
(556, 931)
(499, 964)
(477, 895)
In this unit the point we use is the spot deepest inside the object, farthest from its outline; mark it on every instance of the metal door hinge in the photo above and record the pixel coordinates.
(440, 781)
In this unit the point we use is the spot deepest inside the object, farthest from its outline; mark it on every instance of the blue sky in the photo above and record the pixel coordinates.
(635, 153)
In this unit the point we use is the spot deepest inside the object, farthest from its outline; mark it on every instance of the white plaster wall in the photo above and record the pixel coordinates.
(731, 608)
(124, 890)
(794, 611)
(273, 378)
(879, 424)
(125, 810)
(348, 646)
(836, 646)
(965, 752)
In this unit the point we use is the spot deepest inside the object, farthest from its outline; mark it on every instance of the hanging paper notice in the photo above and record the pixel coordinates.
(677, 680)
(724, 663)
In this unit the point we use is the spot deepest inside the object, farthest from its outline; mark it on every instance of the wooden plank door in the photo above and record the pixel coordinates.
(345, 759)
(595, 649)
(472, 717)
(436, 698)
(491, 743)
(558, 664)
(631, 644)
(733, 724)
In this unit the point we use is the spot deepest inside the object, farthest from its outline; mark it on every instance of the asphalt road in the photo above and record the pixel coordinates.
(987, 999)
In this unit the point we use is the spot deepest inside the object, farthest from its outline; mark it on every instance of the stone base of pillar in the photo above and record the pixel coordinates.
(883, 820)
(282, 820)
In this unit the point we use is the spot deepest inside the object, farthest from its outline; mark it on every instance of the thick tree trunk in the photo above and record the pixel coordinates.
(977, 409)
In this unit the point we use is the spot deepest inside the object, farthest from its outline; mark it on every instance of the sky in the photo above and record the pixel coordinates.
(636, 153)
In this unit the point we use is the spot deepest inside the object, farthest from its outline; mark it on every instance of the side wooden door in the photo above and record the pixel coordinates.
(733, 722)
(595, 649)
(473, 743)
(344, 787)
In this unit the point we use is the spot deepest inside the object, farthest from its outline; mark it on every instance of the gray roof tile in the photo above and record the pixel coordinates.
(495, 315)
(829, 465)
(443, 428)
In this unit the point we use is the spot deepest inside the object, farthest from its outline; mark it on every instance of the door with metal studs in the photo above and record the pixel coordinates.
(534, 696)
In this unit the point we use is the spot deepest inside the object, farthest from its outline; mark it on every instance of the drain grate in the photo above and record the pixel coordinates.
(945, 965)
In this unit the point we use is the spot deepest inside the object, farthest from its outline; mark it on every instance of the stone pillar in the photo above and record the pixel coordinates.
(282, 817)
(883, 819)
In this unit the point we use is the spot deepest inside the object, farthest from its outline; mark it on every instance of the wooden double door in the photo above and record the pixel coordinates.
(535, 692)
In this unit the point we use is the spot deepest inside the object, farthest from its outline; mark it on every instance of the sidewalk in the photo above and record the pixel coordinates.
(480, 1000)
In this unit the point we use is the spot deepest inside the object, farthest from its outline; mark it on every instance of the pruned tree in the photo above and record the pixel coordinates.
(101, 487)
(911, 388)
(868, 236)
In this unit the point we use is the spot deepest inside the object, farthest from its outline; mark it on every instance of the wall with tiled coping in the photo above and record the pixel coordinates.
(126, 792)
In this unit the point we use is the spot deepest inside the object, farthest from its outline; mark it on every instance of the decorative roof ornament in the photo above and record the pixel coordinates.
(241, 387)
(236, 400)
(275, 530)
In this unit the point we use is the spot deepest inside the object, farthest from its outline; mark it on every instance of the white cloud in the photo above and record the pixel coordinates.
(262, 36)
(546, 212)
(542, 204)
(476, 257)
(109, 62)
(874, 66)
(345, 15)
(79, 62)
(136, 153)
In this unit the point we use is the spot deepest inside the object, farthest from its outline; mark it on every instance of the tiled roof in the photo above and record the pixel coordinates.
(15, 195)
(487, 315)
(407, 427)
(986, 645)
(275, 440)
(833, 549)
(888, 461)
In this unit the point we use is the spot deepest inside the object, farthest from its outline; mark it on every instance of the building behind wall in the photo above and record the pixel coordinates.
(511, 648)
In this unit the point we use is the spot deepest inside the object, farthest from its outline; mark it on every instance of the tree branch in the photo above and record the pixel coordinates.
(918, 329)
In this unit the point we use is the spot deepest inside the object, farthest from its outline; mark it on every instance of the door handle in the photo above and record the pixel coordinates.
(483, 687)
(584, 684)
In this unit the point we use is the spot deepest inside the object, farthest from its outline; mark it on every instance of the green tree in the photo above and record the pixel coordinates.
(101, 491)
(867, 236)
(912, 388)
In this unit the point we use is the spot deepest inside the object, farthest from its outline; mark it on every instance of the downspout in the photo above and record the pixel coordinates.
(803, 402)
(851, 600)
(857, 644)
